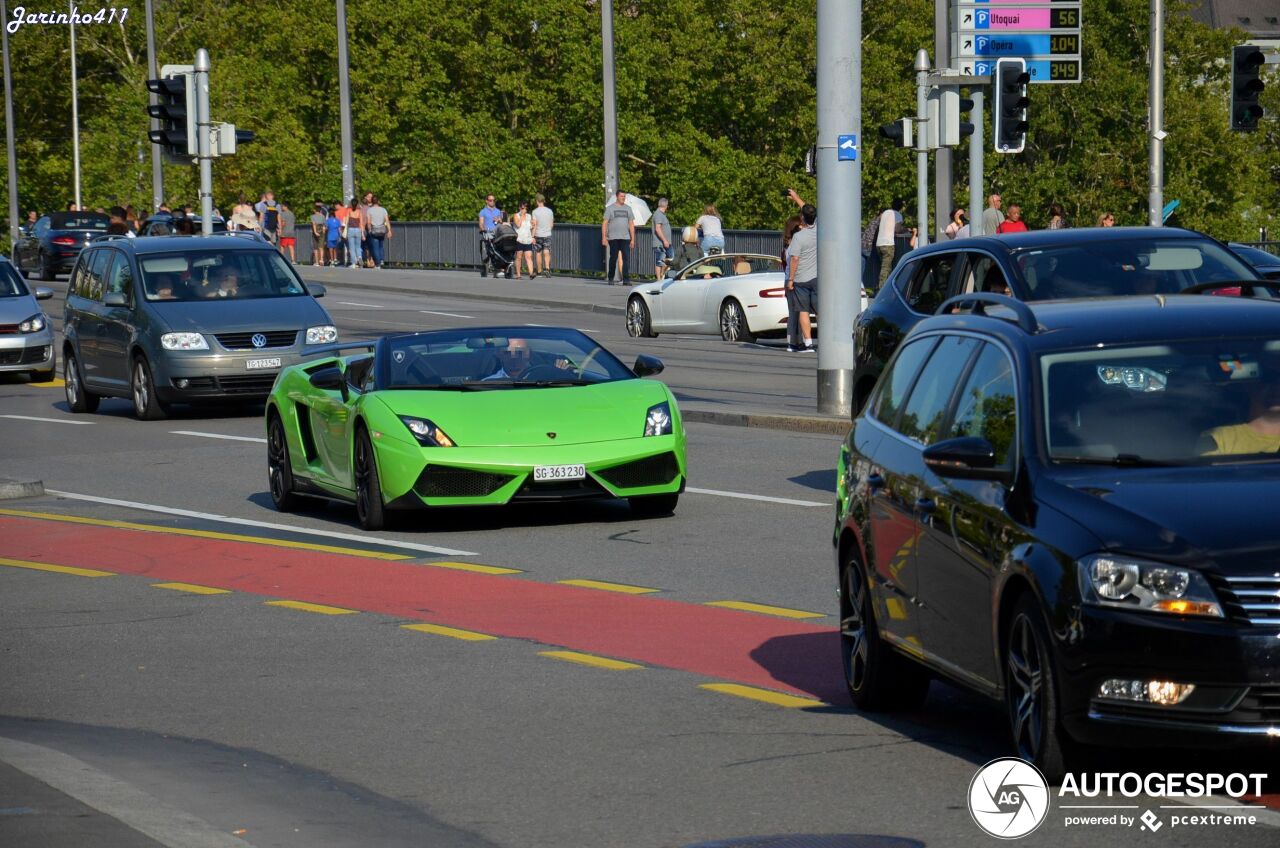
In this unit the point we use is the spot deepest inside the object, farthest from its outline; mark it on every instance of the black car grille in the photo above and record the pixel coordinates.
(650, 471)
(1252, 599)
(562, 490)
(1260, 706)
(24, 356)
(244, 341)
(441, 481)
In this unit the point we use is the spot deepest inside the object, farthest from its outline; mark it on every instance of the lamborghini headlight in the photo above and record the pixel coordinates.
(657, 421)
(1123, 582)
(427, 433)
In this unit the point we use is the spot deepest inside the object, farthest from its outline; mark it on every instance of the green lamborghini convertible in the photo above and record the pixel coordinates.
(470, 417)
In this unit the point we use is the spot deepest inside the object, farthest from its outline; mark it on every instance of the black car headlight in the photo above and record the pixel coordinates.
(657, 421)
(427, 433)
(34, 324)
(1126, 583)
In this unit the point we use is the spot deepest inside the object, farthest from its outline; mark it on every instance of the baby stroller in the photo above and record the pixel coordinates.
(498, 251)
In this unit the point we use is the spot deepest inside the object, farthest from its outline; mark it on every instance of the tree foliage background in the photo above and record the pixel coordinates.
(715, 99)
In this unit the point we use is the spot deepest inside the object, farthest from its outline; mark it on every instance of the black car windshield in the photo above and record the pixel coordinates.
(211, 274)
(1127, 266)
(10, 285)
(508, 358)
(79, 221)
(1191, 402)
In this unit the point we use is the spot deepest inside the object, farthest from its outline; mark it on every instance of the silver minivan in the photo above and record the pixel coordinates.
(184, 319)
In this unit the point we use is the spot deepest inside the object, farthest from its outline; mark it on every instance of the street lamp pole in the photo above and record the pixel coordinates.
(8, 127)
(1155, 95)
(610, 103)
(75, 108)
(344, 106)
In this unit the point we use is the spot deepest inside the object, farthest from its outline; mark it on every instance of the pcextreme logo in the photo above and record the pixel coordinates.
(1008, 798)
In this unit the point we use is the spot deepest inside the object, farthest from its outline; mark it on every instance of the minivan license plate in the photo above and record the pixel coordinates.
(273, 362)
(551, 473)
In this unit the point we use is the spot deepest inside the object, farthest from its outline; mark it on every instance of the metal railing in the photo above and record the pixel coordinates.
(575, 248)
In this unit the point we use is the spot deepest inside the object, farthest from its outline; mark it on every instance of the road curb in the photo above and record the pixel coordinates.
(13, 489)
(793, 423)
(499, 298)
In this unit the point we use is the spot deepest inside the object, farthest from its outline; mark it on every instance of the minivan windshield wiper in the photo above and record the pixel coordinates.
(1120, 460)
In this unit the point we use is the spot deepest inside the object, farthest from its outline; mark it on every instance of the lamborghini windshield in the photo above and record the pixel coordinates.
(506, 358)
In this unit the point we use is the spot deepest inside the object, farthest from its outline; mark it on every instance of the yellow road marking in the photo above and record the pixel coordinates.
(608, 587)
(451, 632)
(55, 383)
(589, 659)
(752, 693)
(305, 607)
(192, 588)
(60, 569)
(204, 534)
(475, 567)
(765, 609)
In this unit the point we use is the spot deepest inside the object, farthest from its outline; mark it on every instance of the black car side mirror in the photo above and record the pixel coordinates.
(115, 299)
(965, 458)
(647, 365)
(316, 289)
(43, 292)
(330, 379)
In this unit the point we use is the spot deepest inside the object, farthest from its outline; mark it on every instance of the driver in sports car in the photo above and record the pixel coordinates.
(516, 359)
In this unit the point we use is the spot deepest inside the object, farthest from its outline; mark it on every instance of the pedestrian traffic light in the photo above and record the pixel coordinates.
(1246, 86)
(176, 109)
(1010, 107)
(899, 131)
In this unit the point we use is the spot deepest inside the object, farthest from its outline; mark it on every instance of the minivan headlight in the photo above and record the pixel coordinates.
(322, 335)
(1126, 583)
(183, 341)
(34, 324)
(657, 421)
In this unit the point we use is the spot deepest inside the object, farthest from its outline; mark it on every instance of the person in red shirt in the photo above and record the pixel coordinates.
(1014, 223)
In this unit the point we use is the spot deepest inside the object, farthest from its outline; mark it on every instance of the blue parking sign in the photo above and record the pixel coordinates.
(846, 148)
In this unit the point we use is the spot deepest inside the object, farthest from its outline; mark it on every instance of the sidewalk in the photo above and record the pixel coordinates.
(781, 402)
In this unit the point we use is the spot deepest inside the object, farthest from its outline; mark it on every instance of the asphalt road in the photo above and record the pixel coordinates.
(200, 712)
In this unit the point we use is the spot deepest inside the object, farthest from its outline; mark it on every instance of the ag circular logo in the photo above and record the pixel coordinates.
(1008, 798)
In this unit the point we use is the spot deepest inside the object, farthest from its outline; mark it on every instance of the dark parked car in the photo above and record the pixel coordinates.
(1041, 265)
(184, 319)
(55, 241)
(1266, 264)
(1069, 509)
(162, 224)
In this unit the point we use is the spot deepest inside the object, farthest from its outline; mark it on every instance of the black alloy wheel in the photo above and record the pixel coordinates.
(279, 469)
(147, 406)
(654, 506)
(1031, 692)
(876, 676)
(369, 506)
(46, 273)
(639, 325)
(733, 323)
(79, 399)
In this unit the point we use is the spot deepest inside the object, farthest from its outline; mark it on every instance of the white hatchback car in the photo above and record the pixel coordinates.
(26, 335)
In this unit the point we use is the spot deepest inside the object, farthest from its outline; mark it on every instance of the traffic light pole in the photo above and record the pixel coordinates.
(203, 127)
(1155, 202)
(610, 106)
(344, 107)
(922, 148)
(157, 164)
(975, 164)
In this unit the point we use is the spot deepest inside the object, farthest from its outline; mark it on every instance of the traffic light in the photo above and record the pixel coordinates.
(946, 117)
(1010, 107)
(899, 131)
(1246, 86)
(226, 138)
(176, 110)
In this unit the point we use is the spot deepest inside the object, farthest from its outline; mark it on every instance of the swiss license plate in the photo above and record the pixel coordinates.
(552, 473)
(273, 362)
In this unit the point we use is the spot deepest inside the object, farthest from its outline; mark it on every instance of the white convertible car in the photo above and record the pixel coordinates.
(741, 296)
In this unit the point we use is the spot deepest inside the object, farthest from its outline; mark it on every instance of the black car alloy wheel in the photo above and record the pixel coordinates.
(878, 678)
(1031, 688)
(369, 507)
(853, 632)
(279, 469)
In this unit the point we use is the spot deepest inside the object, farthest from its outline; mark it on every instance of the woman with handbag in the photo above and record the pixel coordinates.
(378, 220)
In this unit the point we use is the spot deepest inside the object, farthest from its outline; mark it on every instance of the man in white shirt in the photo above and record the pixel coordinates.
(890, 223)
(543, 220)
